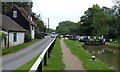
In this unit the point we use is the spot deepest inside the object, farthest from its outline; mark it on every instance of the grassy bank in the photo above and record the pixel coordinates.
(18, 47)
(55, 61)
(26, 67)
(113, 43)
(85, 57)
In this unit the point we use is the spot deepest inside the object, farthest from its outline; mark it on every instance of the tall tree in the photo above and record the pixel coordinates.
(41, 25)
(88, 19)
(67, 27)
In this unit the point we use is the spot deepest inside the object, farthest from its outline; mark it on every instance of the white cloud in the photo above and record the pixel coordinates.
(61, 10)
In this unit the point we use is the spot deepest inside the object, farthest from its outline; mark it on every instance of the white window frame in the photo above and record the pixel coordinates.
(14, 14)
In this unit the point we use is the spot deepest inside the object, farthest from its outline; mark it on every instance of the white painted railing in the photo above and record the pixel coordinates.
(36, 65)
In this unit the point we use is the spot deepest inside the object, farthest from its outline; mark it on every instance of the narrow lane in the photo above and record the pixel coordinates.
(15, 60)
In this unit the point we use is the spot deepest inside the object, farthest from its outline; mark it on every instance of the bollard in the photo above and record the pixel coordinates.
(93, 58)
(45, 59)
(40, 67)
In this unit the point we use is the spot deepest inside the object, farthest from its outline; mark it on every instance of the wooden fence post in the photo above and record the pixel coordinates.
(40, 67)
(49, 53)
(45, 59)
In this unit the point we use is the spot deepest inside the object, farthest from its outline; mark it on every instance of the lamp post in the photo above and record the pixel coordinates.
(48, 25)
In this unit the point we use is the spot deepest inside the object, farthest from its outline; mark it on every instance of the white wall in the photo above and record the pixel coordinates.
(20, 38)
(33, 32)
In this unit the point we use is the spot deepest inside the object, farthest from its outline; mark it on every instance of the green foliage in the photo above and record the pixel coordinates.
(85, 57)
(67, 27)
(113, 43)
(100, 21)
(38, 17)
(2, 36)
(90, 19)
(41, 26)
(39, 35)
(28, 37)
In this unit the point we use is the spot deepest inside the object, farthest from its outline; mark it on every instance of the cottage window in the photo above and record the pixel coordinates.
(14, 37)
(14, 14)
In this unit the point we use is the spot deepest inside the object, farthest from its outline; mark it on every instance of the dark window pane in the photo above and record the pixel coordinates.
(15, 37)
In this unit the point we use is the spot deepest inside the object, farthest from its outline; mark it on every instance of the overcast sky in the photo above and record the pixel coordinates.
(62, 10)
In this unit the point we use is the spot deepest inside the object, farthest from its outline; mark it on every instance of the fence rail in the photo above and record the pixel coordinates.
(38, 63)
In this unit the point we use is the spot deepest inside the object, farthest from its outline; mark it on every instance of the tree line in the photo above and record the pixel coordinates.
(96, 21)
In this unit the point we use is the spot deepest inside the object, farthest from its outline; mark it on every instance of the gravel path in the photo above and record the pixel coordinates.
(71, 62)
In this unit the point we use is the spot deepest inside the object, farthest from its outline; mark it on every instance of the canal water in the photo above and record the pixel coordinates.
(104, 53)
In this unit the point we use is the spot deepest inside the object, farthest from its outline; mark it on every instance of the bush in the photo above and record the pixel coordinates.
(39, 35)
(2, 36)
(118, 39)
(28, 36)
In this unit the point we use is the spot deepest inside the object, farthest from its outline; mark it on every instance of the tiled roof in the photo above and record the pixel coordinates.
(25, 14)
(9, 24)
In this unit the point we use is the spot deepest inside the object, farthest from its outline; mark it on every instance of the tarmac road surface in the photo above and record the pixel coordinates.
(15, 60)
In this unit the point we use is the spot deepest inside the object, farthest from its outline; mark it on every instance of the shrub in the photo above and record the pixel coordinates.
(39, 35)
(2, 36)
(28, 36)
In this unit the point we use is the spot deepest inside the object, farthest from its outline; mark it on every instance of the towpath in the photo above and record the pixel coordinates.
(71, 62)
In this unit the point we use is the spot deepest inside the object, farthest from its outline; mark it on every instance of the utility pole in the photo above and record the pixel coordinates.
(48, 25)
(12, 3)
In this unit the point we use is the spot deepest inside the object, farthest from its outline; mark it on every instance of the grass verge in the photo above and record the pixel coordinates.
(85, 57)
(29, 64)
(55, 61)
(113, 43)
(18, 47)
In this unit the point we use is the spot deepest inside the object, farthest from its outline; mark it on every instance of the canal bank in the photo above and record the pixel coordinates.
(112, 44)
(85, 57)
(104, 53)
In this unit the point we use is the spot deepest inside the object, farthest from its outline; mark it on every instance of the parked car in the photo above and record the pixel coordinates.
(82, 39)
